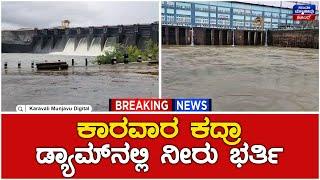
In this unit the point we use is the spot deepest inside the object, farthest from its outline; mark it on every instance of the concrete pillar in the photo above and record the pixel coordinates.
(212, 37)
(255, 38)
(177, 35)
(233, 37)
(186, 35)
(192, 37)
(249, 38)
(266, 38)
(261, 38)
(166, 33)
(76, 43)
(229, 37)
(89, 40)
(220, 37)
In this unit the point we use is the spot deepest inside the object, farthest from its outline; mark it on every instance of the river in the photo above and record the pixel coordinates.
(243, 78)
(92, 85)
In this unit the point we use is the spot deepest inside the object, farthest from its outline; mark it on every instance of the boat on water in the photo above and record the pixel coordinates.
(153, 62)
(52, 66)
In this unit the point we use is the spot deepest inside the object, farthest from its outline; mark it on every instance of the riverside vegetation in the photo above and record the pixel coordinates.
(151, 49)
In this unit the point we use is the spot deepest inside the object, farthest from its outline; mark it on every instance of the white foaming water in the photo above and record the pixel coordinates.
(69, 48)
(95, 47)
(109, 44)
(82, 47)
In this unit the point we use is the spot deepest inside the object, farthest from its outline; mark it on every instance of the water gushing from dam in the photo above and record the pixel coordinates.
(69, 48)
(95, 46)
(109, 44)
(72, 46)
(66, 41)
(82, 47)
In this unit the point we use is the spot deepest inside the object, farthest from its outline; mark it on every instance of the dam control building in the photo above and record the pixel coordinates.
(213, 22)
(229, 14)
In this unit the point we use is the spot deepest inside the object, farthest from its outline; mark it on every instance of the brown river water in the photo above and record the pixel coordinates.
(243, 78)
(92, 85)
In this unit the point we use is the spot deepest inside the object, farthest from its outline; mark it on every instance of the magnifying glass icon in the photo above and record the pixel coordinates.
(19, 108)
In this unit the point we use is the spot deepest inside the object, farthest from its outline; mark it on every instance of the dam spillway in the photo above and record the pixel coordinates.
(78, 41)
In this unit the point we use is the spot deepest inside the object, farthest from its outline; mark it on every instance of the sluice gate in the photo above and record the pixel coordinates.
(209, 36)
(174, 35)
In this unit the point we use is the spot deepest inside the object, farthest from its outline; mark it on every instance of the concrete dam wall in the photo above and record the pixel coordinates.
(17, 41)
(297, 38)
(80, 41)
(172, 35)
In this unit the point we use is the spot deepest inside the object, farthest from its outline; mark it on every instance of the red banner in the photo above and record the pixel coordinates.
(269, 146)
(304, 17)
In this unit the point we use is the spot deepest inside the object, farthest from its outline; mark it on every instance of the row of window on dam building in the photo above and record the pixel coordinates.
(220, 14)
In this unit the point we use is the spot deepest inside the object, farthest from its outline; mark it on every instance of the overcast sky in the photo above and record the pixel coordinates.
(288, 4)
(31, 14)
(46, 14)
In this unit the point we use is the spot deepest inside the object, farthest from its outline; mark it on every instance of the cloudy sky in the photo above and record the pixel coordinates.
(278, 3)
(30, 14)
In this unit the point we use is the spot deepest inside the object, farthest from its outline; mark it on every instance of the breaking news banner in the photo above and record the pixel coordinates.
(179, 105)
(160, 146)
(84, 93)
